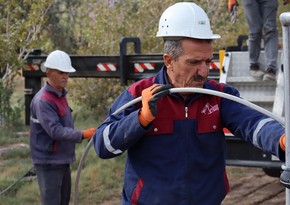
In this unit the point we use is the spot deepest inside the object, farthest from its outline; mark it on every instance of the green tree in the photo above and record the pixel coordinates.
(20, 24)
(94, 27)
(59, 28)
(99, 26)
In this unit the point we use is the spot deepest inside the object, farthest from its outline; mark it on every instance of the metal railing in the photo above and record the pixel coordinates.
(285, 176)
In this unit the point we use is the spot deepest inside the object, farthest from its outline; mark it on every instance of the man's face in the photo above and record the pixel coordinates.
(191, 68)
(57, 79)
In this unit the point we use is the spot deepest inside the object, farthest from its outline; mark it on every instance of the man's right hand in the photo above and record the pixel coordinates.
(150, 96)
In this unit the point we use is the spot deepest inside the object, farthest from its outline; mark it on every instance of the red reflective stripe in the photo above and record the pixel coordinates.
(138, 69)
(106, 67)
(141, 67)
(226, 131)
(213, 65)
(33, 67)
(137, 191)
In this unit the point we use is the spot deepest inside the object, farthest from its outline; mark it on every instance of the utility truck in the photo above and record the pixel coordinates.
(229, 66)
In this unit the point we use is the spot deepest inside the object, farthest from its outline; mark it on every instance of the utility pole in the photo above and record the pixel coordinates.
(285, 176)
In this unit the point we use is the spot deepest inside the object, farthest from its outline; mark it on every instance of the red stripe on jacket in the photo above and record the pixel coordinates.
(137, 191)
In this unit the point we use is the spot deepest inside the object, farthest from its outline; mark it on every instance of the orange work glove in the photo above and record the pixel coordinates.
(282, 142)
(88, 133)
(149, 102)
(231, 3)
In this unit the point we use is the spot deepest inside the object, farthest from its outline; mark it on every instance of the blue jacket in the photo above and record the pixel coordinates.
(52, 134)
(180, 157)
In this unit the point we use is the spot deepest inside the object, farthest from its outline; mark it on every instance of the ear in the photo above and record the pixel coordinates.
(167, 60)
(48, 72)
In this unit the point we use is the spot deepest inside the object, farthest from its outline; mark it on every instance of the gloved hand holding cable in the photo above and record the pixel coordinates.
(282, 142)
(150, 96)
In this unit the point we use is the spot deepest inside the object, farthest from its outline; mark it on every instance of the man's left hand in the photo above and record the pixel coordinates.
(282, 142)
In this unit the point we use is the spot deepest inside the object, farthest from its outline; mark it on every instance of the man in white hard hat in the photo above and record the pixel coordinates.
(174, 141)
(52, 133)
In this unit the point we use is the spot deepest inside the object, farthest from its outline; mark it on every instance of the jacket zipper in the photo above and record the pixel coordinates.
(187, 150)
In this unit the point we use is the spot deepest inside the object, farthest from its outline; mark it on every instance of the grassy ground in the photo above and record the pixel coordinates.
(99, 179)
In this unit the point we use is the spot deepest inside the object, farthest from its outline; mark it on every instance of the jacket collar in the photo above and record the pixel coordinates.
(49, 88)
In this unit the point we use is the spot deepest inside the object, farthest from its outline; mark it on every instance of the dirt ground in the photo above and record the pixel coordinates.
(251, 186)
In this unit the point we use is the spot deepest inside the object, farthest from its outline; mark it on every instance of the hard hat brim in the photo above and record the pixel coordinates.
(66, 70)
(212, 37)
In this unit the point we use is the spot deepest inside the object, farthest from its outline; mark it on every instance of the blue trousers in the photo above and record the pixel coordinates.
(261, 18)
(54, 182)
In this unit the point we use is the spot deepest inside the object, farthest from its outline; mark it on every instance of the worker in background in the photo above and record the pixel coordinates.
(175, 143)
(52, 133)
(261, 17)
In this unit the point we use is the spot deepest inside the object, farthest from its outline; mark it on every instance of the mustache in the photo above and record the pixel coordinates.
(198, 78)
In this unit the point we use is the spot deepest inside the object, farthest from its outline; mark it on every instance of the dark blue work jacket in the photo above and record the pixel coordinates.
(180, 157)
(52, 133)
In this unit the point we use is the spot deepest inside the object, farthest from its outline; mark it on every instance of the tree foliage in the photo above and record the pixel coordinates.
(90, 27)
(99, 27)
(20, 24)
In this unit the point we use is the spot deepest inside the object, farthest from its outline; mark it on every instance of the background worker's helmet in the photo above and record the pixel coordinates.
(59, 60)
(185, 19)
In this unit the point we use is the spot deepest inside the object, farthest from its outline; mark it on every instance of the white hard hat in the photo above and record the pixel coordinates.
(185, 19)
(59, 60)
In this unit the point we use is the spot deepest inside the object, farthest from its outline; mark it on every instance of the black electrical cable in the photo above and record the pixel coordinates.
(12, 185)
